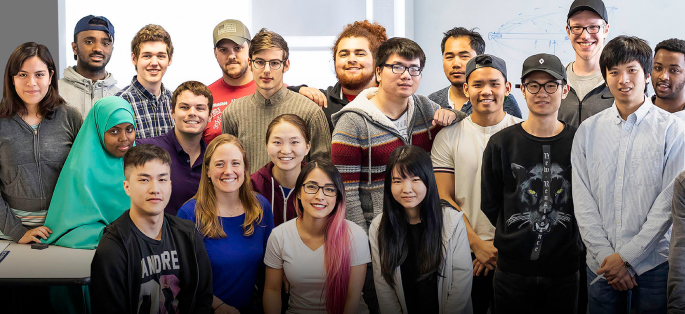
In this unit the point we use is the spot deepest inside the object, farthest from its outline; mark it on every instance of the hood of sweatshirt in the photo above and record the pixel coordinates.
(82, 83)
(282, 206)
(363, 106)
(334, 92)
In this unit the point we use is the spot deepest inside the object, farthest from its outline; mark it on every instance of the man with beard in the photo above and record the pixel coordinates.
(354, 53)
(231, 45)
(668, 76)
(459, 45)
(587, 29)
(88, 81)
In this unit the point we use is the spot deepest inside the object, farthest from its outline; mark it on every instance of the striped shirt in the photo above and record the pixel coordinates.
(152, 114)
(28, 219)
(623, 173)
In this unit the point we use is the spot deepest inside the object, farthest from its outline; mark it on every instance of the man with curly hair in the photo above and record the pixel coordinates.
(151, 52)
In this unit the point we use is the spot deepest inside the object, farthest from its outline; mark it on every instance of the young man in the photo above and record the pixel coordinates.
(668, 76)
(151, 52)
(231, 45)
(353, 55)
(526, 194)
(587, 29)
(247, 118)
(457, 157)
(458, 46)
(88, 81)
(149, 261)
(624, 160)
(192, 102)
(380, 119)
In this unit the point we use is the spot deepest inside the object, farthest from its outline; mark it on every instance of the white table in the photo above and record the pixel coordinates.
(56, 265)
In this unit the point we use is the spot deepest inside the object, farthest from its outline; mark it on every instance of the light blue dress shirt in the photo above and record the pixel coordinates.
(623, 173)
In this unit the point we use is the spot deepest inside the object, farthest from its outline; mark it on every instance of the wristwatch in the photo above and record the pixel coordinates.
(625, 262)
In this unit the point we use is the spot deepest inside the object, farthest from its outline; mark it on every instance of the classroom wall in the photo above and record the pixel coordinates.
(41, 21)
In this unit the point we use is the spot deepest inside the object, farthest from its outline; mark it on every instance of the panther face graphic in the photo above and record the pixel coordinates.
(541, 216)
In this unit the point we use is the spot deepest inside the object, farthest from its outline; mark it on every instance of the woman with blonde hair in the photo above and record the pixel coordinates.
(235, 222)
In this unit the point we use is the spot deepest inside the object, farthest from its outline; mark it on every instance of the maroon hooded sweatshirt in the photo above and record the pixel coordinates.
(282, 206)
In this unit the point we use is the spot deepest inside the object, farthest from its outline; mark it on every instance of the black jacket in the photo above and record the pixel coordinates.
(116, 271)
(335, 102)
(573, 111)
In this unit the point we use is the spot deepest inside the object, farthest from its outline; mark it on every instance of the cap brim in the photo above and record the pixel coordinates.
(548, 71)
(583, 8)
(236, 39)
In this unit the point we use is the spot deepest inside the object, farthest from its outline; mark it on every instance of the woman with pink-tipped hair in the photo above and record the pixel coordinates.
(321, 255)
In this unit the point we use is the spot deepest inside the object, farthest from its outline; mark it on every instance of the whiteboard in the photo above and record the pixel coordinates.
(514, 30)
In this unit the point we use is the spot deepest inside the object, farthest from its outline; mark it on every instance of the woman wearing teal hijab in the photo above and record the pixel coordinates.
(89, 194)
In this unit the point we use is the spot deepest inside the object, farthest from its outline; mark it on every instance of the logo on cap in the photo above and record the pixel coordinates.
(227, 28)
(542, 61)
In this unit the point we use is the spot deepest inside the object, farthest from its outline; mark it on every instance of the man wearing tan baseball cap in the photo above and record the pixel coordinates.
(231, 45)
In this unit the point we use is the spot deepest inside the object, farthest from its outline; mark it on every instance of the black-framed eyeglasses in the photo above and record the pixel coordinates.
(534, 87)
(399, 69)
(328, 189)
(261, 63)
(577, 30)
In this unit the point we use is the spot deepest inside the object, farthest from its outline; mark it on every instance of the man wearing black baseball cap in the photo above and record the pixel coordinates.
(87, 82)
(526, 194)
(457, 154)
(587, 29)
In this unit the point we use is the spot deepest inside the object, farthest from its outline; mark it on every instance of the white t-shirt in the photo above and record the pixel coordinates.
(402, 124)
(304, 268)
(459, 149)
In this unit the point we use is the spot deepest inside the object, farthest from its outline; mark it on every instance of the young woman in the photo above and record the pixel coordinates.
(89, 194)
(37, 130)
(322, 255)
(235, 223)
(287, 142)
(421, 256)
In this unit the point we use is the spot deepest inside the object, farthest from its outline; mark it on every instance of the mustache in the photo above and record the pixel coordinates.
(96, 54)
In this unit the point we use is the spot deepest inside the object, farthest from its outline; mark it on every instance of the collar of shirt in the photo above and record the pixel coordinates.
(639, 114)
(171, 138)
(275, 99)
(143, 91)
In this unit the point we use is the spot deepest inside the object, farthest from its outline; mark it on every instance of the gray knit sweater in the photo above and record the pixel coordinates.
(247, 118)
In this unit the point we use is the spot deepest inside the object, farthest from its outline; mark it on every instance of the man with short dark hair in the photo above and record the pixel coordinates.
(668, 76)
(624, 160)
(231, 44)
(87, 82)
(587, 28)
(458, 46)
(192, 102)
(381, 119)
(457, 156)
(526, 194)
(149, 261)
(247, 118)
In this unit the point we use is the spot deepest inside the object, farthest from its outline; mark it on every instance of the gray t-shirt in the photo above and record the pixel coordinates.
(583, 84)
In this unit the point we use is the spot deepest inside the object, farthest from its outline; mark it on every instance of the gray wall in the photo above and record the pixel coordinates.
(41, 21)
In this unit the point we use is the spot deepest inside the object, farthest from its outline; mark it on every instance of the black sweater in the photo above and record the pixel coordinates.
(116, 270)
(534, 237)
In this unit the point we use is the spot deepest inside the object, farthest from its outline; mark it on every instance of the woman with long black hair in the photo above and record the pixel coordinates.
(420, 250)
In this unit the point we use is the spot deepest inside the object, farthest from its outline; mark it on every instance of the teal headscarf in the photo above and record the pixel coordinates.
(89, 194)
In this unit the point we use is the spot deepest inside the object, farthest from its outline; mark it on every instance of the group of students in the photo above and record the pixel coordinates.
(455, 204)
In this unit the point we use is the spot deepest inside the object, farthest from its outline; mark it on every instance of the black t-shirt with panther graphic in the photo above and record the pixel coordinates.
(161, 271)
(526, 194)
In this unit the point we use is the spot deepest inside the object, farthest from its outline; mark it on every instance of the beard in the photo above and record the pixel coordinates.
(235, 74)
(676, 89)
(82, 59)
(354, 82)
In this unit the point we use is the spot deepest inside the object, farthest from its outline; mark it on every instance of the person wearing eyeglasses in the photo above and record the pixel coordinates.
(381, 119)
(458, 46)
(526, 194)
(587, 29)
(457, 154)
(248, 118)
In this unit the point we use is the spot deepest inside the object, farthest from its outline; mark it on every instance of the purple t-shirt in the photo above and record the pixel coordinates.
(185, 178)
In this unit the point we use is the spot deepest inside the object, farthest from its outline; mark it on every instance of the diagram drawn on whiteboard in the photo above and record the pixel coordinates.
(540, 30)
